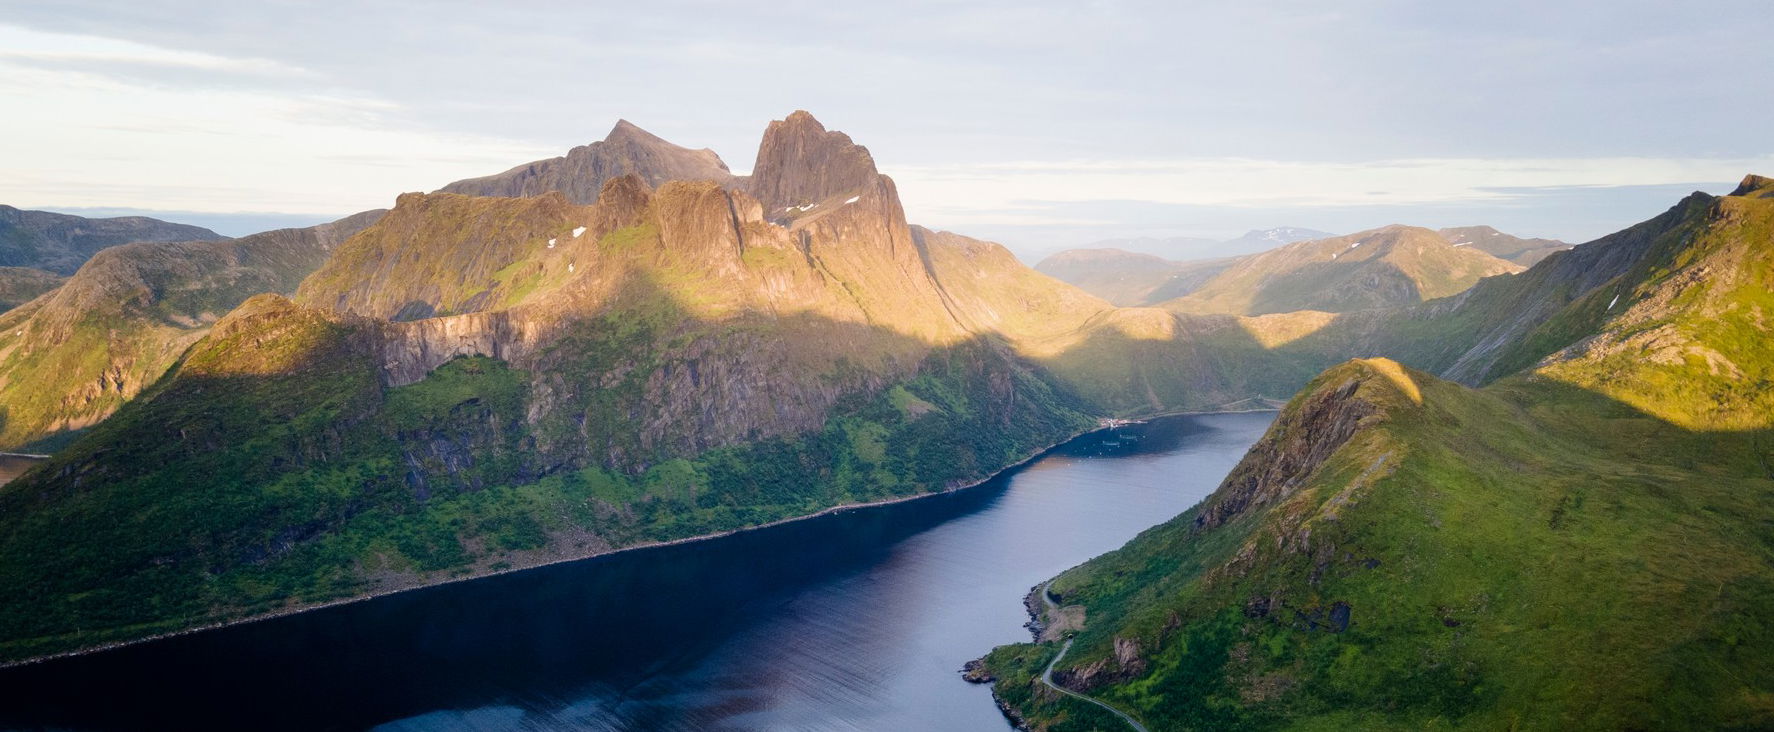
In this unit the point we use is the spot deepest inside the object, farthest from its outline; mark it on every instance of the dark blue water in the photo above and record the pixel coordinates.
(853, 621)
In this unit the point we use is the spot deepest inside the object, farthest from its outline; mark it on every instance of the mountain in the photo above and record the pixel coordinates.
(582, 172)
(1525, 252)
(1169, 248)
(60, 243)
(1147, 271)
(1401, 551)
(1394, 265)
(1190, 248)
(19, 285)
(1129, 278)
(1262, 240)
(70, 358)
(472, 384)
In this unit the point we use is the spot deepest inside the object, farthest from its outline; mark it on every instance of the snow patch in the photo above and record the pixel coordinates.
(550, 243)
(1356, 244)
(852, 199)
(578, 231)
(569, 266)
(1612, 302)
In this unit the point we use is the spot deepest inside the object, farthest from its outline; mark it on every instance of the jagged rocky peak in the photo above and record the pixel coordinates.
(581, 174)
(1755, 186)
(801, 162)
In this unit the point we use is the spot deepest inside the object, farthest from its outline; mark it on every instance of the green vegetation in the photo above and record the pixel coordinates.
(295, 477)
(70, 359)
(1495, 557)
(1585, 544)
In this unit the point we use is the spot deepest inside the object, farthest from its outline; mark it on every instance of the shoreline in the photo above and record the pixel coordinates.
(288, 611)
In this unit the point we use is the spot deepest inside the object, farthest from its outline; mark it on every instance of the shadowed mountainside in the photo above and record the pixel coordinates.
(19, 285)
(60, 243)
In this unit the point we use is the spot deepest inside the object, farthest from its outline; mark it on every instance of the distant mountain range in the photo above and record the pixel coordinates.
(60, 243)
(19, 285)
(1395, 265)
(581, 173)
(1304, 278)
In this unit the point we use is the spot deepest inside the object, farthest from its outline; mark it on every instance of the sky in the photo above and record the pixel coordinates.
(1039, 125)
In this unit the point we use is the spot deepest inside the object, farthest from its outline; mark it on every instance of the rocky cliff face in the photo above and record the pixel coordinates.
(801, 163)
(1298, 444)
(68, 359)
(581, 173)
(60, 243)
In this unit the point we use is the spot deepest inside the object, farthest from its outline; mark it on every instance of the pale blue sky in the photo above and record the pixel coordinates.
(1039, 126)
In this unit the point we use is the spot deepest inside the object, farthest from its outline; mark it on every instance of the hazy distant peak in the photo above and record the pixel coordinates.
(582, 172)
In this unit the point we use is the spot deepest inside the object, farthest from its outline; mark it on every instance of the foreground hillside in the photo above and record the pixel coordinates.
(1580, 545)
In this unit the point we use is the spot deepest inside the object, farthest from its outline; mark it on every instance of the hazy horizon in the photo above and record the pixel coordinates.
(1040, 127)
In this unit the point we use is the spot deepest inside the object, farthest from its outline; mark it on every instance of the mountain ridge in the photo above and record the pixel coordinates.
(581, 173)
(60, 243)
(1401, 551)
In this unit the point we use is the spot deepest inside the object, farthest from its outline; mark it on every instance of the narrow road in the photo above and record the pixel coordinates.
(1047, 675)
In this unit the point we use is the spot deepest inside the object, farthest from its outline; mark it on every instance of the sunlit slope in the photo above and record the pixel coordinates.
(1582, 545)
(1391, 266)
(453, 393)
(69, 358)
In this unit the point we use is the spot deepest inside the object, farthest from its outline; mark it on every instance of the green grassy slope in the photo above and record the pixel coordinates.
(272, 469)
(69, 359)
(1583, 545)
(677, 370)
